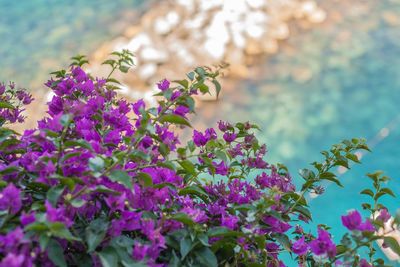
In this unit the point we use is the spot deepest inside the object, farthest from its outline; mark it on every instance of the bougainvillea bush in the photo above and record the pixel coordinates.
(105, 182)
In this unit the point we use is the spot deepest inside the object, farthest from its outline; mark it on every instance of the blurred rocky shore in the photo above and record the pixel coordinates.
(175, 36)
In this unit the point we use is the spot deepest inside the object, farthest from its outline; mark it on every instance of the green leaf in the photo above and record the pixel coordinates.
(307, 174)
(79, 143)
(95, 233)
(145, 179)
(352, 157)
(200, 71)
(175, 119)
(110, 62)
(204, 240)
(77, 203)
(194, 190)
(333, 179)
(43, 241)
(65, 120)
(207, 257)
(56, 253)
(6, 105)
(388, 191)
(284, 241)
(96, 164)
(217, 86)
(183, 218)
(188, 166)
(184, 83)
(221, 155)
(185, 246)
(392, 244)
(304, 211)
(123, 68)
(190, 75)
(121, 177)
(59, 229)
(112, 80)
(367, 192)
(221, 231)
(108, 257)
(54, 194)
(5, 133)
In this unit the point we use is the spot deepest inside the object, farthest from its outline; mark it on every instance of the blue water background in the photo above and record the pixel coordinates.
(328, 82)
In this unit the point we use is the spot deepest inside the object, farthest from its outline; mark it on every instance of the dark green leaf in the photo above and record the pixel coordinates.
(207, 257)
(59, 229)
(79, 143)
(175, 119)
(217, 86)
(184, 83)
(183, 218)
(393, 244)
(352, 157)
(145, 179)
(6, 105)
(54, 194)
(95, 233)
(388, 191)
(108, 257)
(188, 166)
(96, 164)
(56, 253)
(185, 246)
(367, 192)
(122, 177)
(194, 190)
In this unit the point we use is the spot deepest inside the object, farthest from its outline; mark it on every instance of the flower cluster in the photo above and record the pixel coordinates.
(105, 182)
(12, 101)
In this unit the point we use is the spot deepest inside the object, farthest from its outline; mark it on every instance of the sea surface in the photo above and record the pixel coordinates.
(40, 36)
(329, 82)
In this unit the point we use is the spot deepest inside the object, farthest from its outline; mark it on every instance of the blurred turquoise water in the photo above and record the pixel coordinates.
(334, 81)
(39, 36)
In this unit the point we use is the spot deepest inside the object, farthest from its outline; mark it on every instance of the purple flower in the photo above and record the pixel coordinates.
(224, 126)
(352, 220)
(163, 85)
(57, 214)
(13, 260)
(229, 137)
(229, 221)
(139, 251)
(10, 199)
(300, 247)
(199, 139)
(384, 215)
(276, 225)
(364, 263)
(138, 106)
(175, 95)
(221, 168)
(2, 88)
(12, 239)
(366, 226)
(181, 111)
(27, 218)
(197, 215)
(323, 245)
(112, 137)
(79, 74)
